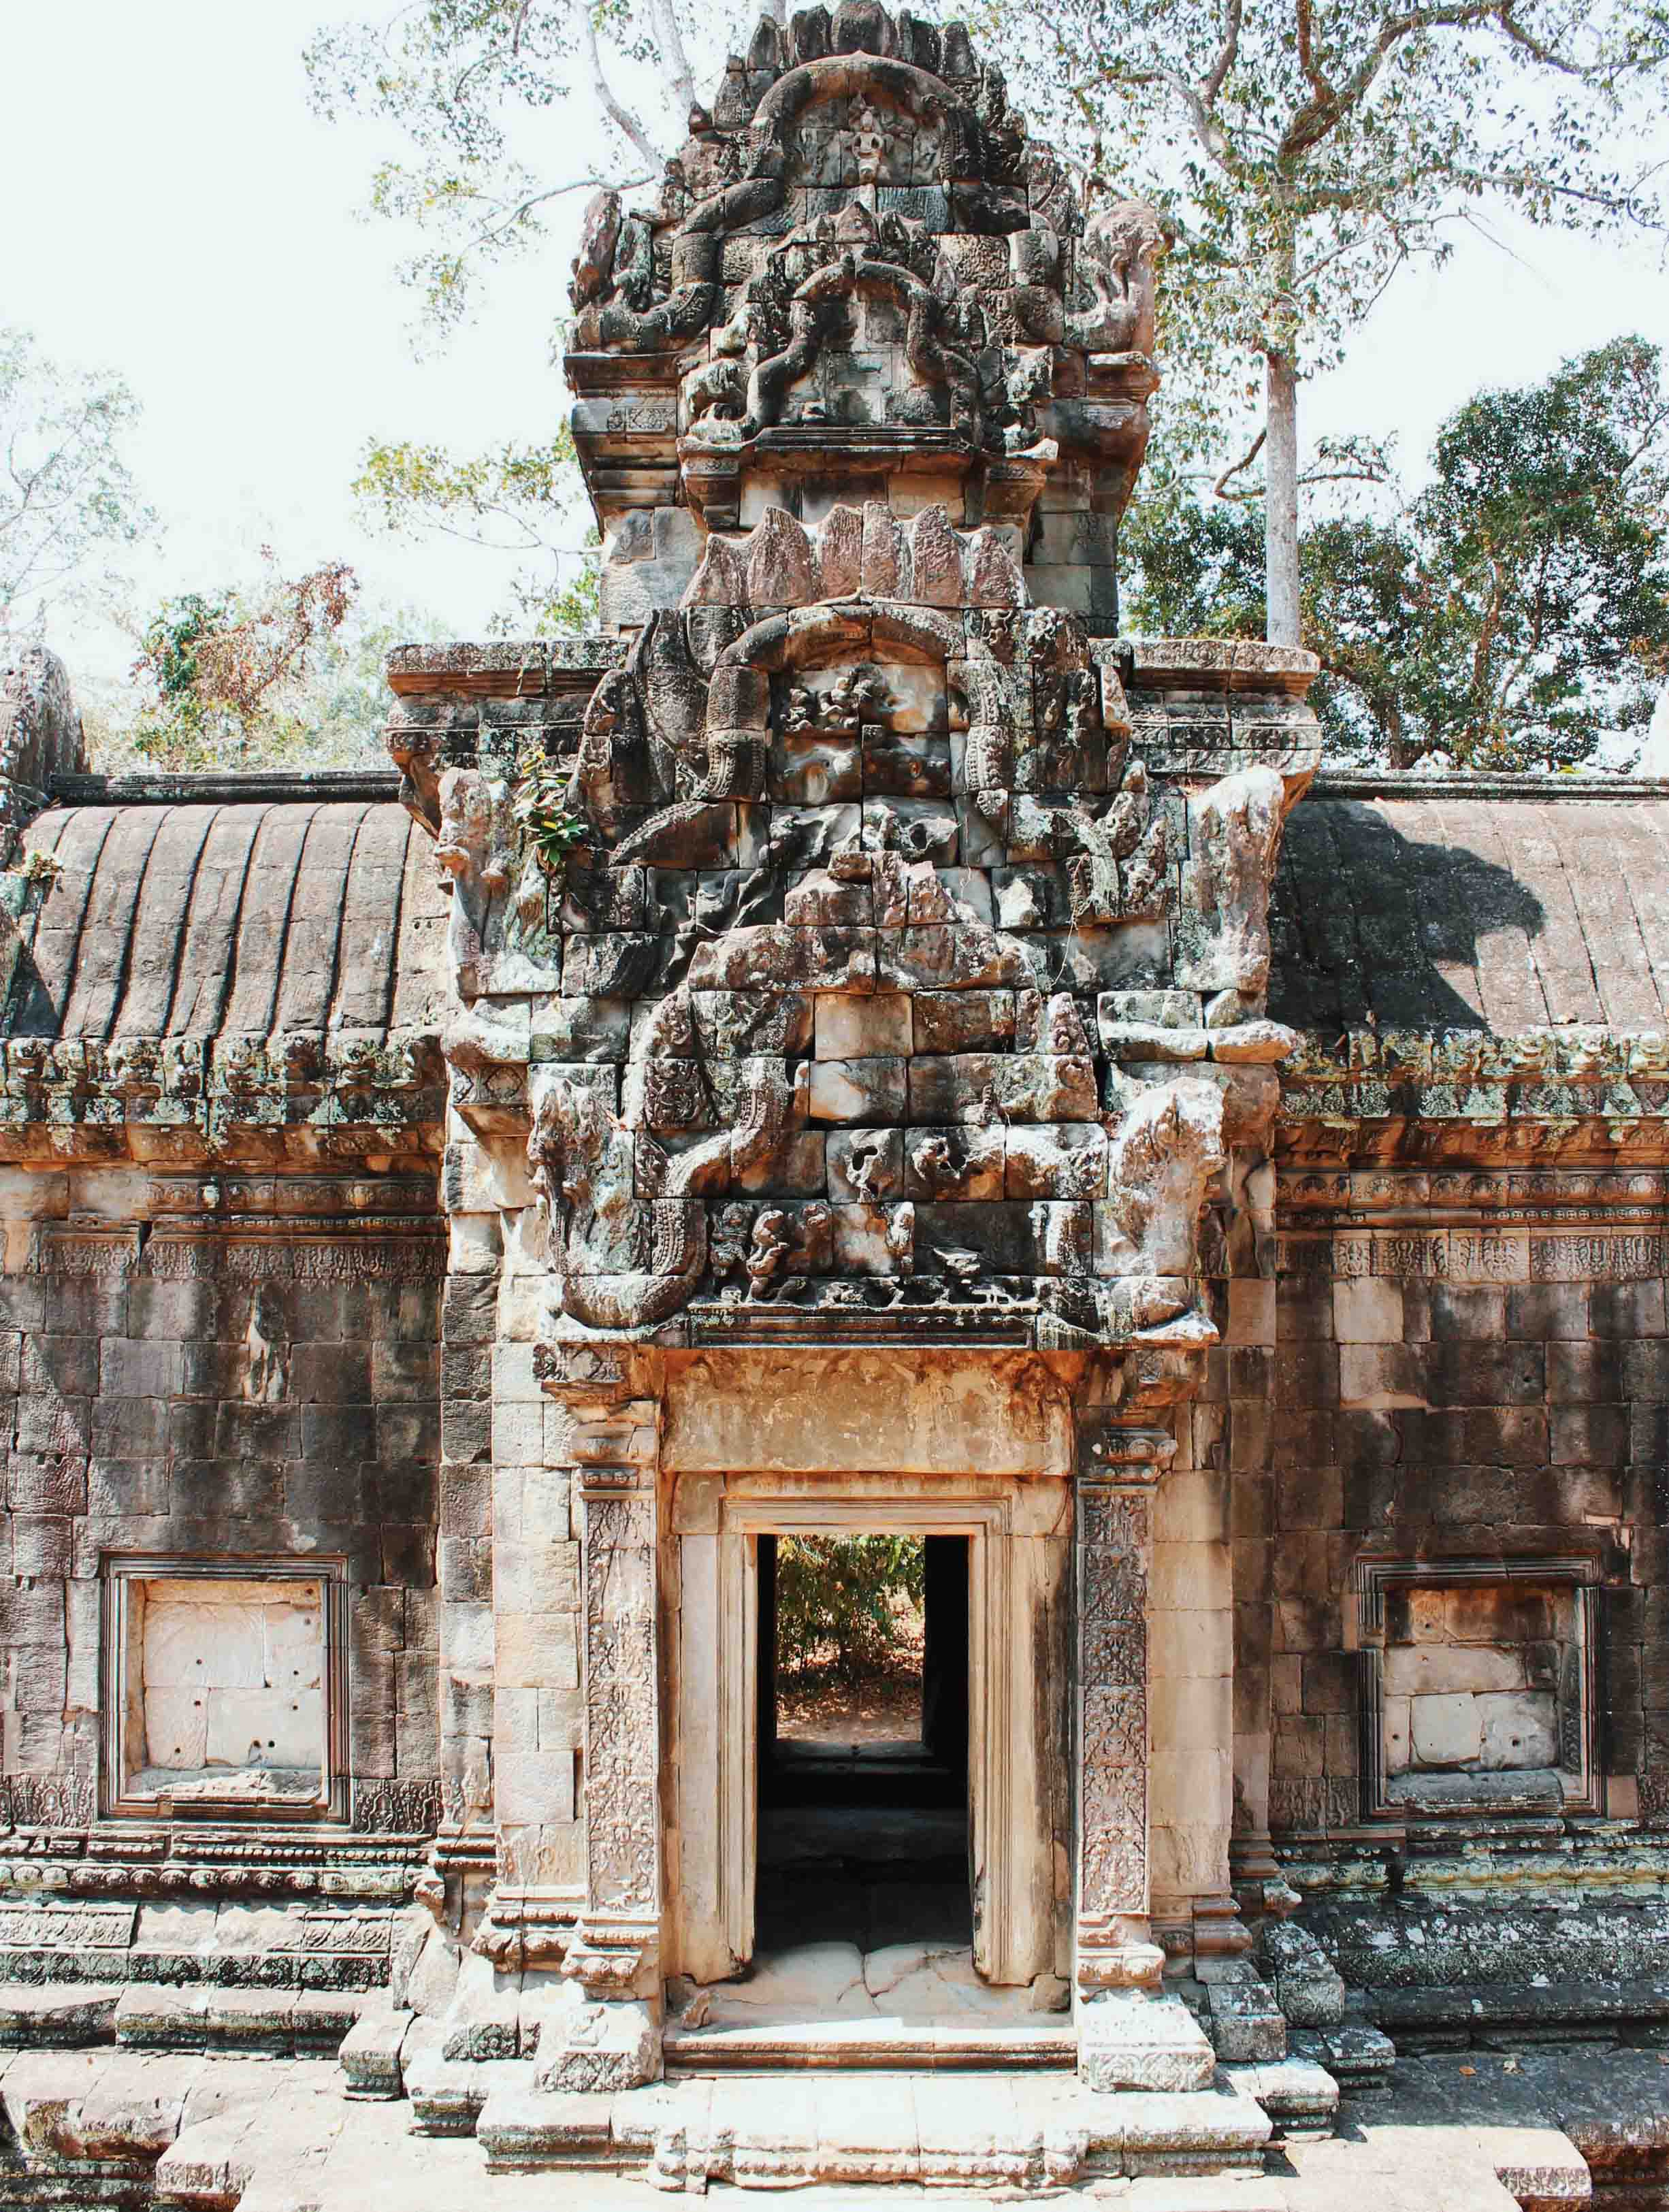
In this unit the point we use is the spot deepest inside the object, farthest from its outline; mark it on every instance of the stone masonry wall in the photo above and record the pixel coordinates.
(214, 1394)
(511, 1720)
(1407, 1416)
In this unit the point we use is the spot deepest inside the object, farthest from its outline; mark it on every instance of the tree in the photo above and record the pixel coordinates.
(1512, 615)
(67, 499)
(516, 498)
(459, 80)
(839, 1601)
(1305, 149)
(329, 712)
(221, 675)
(465, 82)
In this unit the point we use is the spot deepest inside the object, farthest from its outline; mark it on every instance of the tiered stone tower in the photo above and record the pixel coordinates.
(881, 1027)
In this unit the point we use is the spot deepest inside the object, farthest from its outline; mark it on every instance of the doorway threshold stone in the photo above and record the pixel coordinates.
(889, 2045)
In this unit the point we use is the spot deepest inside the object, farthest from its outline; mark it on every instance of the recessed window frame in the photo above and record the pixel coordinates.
(1373, 1576)
(119, 1572)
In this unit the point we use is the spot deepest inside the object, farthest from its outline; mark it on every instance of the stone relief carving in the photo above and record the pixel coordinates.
(1113, 1539)
(622, 1753)
(627, 1261)
(1117, 264)
(838, 1022)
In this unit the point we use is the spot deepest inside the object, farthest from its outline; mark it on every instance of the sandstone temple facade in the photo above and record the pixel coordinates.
(857, 1044)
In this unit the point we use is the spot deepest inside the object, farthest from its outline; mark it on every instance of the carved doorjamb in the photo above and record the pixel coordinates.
(1119, 1465)
(614, 1444)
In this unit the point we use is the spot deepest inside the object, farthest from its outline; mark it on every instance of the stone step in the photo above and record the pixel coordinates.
(370, 2053)
(1360, 2058)
(298, 2023)
(447, 2096)
(978, 2130)
(893, 2046)
(57, 2015)
(1300, 2098)
(1434, 2018)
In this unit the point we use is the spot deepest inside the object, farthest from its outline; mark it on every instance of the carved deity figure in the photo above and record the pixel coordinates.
(1119, 259)
(475, 847)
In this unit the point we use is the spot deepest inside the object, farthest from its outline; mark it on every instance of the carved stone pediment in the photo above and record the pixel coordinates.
(859, 251)
(901, 978)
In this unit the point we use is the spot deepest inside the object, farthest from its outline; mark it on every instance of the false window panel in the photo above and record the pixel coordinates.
(224, 1687)
(1478, 1680)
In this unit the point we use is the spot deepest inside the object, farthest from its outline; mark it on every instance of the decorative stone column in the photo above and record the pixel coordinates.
(608, 2037)
(1130, 2035)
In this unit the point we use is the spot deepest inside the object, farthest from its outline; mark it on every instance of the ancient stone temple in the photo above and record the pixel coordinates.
(857, 1045)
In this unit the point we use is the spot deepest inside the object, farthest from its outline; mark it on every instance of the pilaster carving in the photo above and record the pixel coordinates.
(608, 2038)
(1121, 1452)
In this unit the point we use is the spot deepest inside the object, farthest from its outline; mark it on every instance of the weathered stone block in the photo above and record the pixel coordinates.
(1130, 2040)
(862, 1027)
(1446, 1731)
(870, 1091)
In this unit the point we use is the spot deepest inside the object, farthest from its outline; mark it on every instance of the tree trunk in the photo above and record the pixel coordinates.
(1280, 503)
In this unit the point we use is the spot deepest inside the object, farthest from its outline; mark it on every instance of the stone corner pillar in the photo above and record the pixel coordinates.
(1118, 1465)
(608, 2036)
(1130, 2035)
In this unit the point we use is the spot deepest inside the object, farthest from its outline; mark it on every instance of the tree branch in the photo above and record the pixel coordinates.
(1218, 490)
(676, 59)
(1225, 54)
(1321, 116)
(619, 114)
(510, 217)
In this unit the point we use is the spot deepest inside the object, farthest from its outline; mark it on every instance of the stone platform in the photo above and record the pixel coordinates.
(990, 2130)
(1481, 2133)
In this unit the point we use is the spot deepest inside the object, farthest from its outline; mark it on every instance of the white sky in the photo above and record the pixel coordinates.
(174, 212)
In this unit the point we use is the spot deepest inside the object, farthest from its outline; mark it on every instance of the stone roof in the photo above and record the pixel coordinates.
(245, 919)
(1496, 906)
(1483, 905)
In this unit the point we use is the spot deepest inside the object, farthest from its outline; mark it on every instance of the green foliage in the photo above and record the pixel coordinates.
(1196, 570)
(37, 867)
(514, 499)
(1510, 615)
(1306, 150)
(541, 809)
(838, 1599)
(477, 88)
(328, 713)
(220, 674)
(68, 502)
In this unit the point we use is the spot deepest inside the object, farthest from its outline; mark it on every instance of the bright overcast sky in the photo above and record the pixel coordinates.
(175, 213)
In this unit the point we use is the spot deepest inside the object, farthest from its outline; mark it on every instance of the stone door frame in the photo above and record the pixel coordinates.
(713, 1773)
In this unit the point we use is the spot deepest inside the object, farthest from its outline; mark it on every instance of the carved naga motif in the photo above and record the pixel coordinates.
(624, 1262)
(476, 849)
(1118, 265)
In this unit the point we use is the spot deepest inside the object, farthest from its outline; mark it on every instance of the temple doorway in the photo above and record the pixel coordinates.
(862, 1830)
(863, 1871)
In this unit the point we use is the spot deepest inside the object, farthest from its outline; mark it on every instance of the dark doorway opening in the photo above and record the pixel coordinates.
(862, 1785)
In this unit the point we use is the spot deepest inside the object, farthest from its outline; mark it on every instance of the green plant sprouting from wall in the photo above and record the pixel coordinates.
(540, 808)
